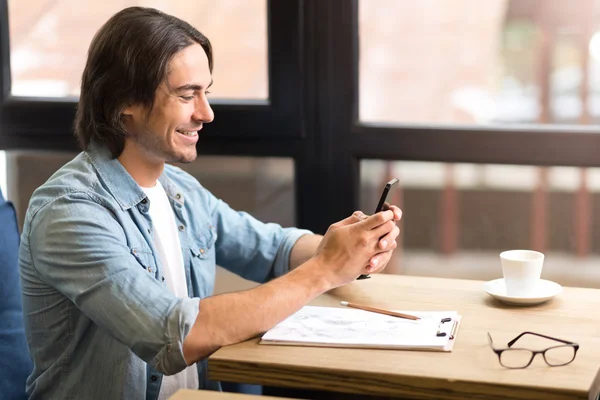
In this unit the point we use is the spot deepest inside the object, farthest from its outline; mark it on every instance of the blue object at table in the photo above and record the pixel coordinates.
(15, 362)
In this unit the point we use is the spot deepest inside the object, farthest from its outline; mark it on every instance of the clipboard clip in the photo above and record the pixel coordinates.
(441, 333)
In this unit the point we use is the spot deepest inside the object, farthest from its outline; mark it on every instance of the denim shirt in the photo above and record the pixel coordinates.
(99, 319)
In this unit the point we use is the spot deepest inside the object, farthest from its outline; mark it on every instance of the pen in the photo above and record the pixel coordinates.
(379, 311)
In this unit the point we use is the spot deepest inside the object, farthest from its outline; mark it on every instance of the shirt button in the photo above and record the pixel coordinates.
(134, 251)
(153, 378)
(178, 196)
(201, 251)
(144, 200)
(181, 228)
(149, 269)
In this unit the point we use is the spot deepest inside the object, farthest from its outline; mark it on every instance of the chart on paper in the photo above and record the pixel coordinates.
(350, 327)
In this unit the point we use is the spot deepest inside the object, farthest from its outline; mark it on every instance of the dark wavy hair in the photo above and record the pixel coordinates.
(127, 61)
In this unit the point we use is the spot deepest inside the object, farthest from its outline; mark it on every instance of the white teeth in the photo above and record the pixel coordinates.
(192, 133)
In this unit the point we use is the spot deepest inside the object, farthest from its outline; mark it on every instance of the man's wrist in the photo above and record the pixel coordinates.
(316, 274)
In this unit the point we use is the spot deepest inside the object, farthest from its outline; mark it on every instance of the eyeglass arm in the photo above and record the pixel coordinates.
(537, 334)
(491, 342)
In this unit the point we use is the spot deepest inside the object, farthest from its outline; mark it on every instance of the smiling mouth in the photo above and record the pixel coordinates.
(188, 133)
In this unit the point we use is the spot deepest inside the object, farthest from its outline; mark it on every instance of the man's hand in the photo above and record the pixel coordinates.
(348, 247)
(357, 245)
(387, 243)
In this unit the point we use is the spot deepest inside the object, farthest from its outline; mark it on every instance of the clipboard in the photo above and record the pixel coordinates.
(352, 328)
(449, 327)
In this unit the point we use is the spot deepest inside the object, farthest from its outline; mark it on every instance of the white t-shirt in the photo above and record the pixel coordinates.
(166, 240)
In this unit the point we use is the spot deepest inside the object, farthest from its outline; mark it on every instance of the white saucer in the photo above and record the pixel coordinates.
(544, 291)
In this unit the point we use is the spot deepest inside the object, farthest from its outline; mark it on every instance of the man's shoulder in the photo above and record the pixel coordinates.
(76, 179)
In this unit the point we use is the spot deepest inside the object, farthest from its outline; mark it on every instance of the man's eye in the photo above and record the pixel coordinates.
(187, 98)
(207, 92)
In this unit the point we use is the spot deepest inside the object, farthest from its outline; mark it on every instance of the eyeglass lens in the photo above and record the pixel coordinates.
(515, 358)
(520, 358)
(559, 355)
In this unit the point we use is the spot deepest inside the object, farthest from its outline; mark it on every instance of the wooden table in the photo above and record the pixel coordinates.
(186, 394)
(471, 370)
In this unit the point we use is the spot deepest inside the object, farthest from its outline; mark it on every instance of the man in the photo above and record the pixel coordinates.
(119, 249)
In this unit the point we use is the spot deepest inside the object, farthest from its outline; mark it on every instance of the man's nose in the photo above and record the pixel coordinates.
(204, 112)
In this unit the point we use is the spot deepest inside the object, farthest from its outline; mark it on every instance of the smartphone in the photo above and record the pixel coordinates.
(387, 190)
(383, 205)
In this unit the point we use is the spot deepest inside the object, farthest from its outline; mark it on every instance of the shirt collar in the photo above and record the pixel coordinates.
(120, 184)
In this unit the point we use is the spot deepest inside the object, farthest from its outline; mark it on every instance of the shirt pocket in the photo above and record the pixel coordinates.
(203, 243)
(145, 258)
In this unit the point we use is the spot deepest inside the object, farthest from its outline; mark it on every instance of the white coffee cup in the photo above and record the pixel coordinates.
(521, 270)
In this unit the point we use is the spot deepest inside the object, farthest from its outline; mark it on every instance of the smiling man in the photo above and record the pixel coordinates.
(119, 248)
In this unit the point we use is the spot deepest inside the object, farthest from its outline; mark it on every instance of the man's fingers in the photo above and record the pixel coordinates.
(379, 261)
(373, 221)
(377, 219)
(397, 212)
(356, 216)
(360, 215)
(385, 241)
(382, 230)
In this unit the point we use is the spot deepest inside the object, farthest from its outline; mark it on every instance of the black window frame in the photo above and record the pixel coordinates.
(312, 117)
(46, 123)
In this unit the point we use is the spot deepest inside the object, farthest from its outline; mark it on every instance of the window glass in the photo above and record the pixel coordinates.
(262, 186)
(49, 41)
(479, 62)
(457, 218)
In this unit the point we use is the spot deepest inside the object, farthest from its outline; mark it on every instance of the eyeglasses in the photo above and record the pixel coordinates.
(515, 358)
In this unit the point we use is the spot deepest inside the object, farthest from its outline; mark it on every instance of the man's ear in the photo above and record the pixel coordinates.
(127, 111)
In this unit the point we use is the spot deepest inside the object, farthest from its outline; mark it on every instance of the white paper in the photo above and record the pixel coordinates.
(347, 327)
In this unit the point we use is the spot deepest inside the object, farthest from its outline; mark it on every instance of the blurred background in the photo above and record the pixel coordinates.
(514, 66)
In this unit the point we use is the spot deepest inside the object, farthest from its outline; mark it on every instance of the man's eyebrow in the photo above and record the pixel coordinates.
(192, 86)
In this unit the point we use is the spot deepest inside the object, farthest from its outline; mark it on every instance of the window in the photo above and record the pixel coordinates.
(471, 92)
(472, 62)
(263, 187)
(49, 42)
(459, 217)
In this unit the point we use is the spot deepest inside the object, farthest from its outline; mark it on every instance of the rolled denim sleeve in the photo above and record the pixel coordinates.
(250, 248)
(282, 258)
(89, 260)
